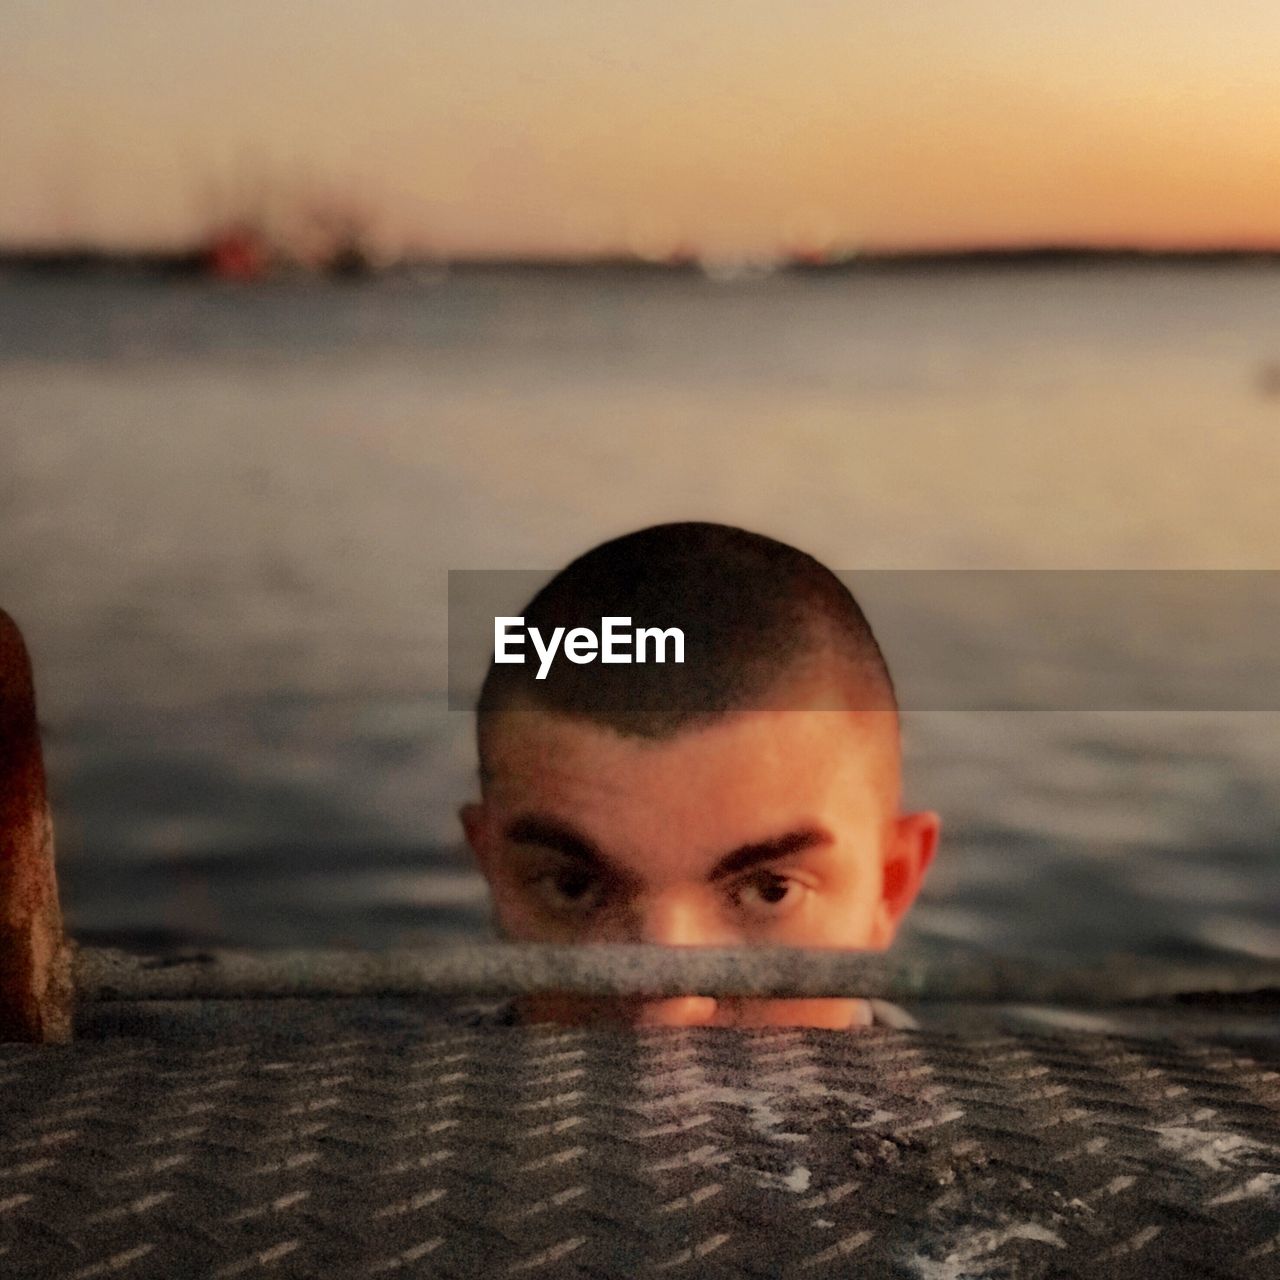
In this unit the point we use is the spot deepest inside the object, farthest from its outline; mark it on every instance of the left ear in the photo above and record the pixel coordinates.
(912, 843)
(473, 827)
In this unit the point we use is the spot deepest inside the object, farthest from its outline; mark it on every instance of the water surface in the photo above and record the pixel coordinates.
(226, 518)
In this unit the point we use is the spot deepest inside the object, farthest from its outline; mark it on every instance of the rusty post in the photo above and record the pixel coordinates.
(36, 992)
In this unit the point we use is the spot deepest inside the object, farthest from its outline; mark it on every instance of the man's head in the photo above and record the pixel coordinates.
(748, 796)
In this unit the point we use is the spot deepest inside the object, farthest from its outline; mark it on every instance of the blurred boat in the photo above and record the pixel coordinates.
(237, 251)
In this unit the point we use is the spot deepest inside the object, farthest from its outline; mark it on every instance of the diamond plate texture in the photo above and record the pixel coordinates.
(435, 1148)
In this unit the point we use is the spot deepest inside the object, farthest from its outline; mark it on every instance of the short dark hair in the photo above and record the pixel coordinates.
(751, 609)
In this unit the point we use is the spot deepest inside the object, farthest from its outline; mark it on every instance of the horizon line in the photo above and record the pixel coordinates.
(74, 254)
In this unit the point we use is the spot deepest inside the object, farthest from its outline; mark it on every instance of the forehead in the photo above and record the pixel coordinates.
(741, 777)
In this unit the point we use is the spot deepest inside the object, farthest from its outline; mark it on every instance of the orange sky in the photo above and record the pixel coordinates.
(734, 126)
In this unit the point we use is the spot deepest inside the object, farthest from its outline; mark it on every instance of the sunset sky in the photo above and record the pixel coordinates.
(731, 126)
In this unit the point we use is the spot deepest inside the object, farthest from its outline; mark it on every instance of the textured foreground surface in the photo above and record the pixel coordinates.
(342, 1139)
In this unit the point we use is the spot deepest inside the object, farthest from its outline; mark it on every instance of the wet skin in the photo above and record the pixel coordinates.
(761, 827)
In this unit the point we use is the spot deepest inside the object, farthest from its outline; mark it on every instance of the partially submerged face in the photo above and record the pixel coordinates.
(776, 827)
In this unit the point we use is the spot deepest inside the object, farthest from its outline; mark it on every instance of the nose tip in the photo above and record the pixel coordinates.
(683, 1011)
(676, 923)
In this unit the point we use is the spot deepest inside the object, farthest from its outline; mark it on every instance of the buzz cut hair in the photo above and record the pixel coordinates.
(753, 610)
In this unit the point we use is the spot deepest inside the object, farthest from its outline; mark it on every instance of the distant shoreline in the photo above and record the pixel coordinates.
(87, 261)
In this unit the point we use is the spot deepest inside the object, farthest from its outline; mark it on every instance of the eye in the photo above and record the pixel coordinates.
(768, 895)
(568, 891)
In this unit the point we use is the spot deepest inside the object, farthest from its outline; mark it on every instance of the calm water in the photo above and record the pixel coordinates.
(226, 519)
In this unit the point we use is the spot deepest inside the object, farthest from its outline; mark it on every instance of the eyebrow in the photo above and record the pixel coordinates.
(549, 833)
(761, 851)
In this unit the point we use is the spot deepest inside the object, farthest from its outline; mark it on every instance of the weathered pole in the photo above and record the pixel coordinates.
(36, 992)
